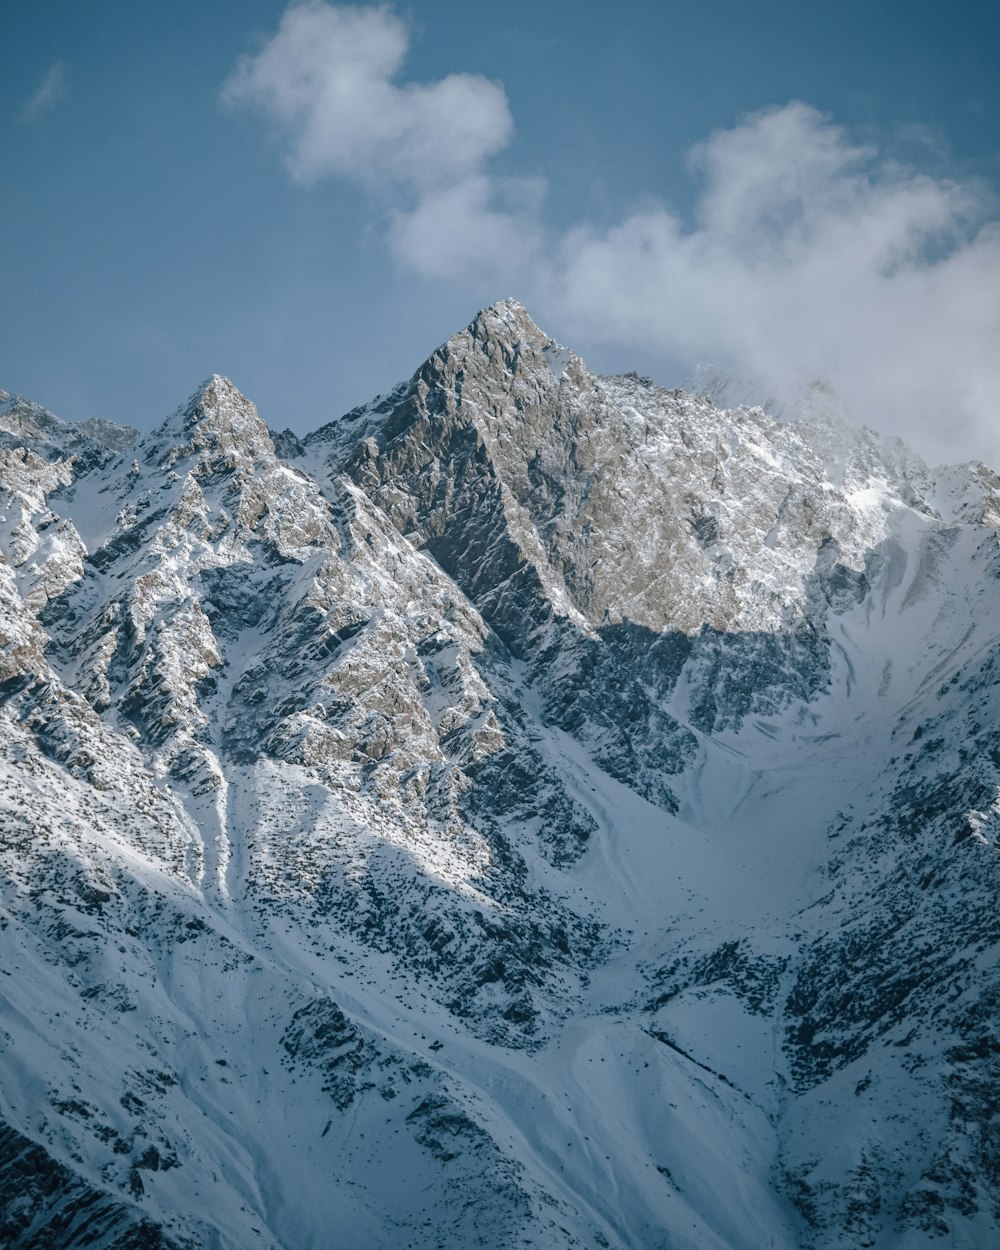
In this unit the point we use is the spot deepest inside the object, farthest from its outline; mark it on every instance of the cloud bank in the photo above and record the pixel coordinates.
(809, 255)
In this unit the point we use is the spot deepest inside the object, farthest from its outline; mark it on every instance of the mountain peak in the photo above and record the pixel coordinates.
(216, 389)
(506, 335)
(507, 319)
(218, 419)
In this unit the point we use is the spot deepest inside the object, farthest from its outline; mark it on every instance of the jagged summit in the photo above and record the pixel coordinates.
(509, 319)
(500, 340)
(508, 325)
(213, 388)
(216, 401)
(216, 421)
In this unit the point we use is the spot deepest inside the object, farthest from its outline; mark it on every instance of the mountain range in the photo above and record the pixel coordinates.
(534, 809)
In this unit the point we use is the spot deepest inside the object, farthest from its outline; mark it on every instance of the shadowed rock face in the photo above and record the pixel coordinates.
(535, 808)
(45, 1204)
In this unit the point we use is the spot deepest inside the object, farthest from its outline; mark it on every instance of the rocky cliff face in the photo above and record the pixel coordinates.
(536, 808)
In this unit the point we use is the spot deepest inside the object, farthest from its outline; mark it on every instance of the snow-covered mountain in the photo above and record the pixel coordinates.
(536, 809)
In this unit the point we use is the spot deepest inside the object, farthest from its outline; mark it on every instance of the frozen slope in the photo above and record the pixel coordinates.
(539, 809)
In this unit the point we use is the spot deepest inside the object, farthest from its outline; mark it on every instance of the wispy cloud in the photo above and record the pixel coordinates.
(809, 255)
(50, 90)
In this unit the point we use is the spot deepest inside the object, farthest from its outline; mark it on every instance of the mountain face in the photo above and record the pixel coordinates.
(535, 809)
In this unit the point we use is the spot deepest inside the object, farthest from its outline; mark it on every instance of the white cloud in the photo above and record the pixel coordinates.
(480, 225)
(327, 80)
(328, 83)
(50, 90)
(809, 254)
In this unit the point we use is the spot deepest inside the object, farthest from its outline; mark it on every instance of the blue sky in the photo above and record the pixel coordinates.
(310, 199)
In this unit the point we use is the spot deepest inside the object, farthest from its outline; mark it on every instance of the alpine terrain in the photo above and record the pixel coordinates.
(534, 810)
